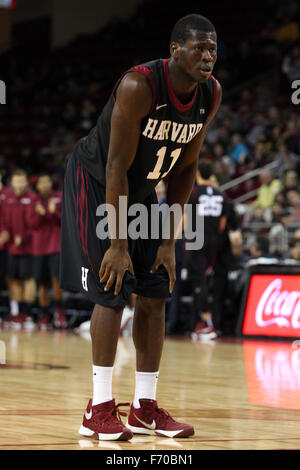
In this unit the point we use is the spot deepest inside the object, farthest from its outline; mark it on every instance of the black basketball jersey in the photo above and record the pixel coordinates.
(165, 132)
(209, 203)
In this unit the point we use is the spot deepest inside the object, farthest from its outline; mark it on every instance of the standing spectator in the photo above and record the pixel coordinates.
(45, 223)
(16, 231)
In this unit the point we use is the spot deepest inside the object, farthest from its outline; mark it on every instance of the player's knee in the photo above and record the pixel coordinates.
(152, 306)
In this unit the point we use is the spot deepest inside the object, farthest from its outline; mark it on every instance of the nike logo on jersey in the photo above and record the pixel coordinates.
(88, 415)
(148, 426)
(158, 106)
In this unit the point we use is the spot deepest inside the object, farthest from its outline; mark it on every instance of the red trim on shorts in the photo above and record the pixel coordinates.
(144, 71)
(81, 206)
(175, 101)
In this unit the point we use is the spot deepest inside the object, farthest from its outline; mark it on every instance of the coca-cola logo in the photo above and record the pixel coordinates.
(278, 307)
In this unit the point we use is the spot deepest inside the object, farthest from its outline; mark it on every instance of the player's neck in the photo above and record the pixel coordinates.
(201, 181)
(182, 84)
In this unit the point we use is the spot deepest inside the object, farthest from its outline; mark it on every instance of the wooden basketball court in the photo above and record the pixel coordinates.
(238, 395)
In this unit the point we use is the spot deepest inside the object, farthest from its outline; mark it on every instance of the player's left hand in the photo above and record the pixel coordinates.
(166, 256)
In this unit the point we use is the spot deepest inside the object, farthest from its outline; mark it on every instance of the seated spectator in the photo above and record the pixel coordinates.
(285, 160)
(290, 181)
(259, 125)
(293, 198)
(226, 112)
(259, 157)
(258, 216)
(291, 64)
(290, 136)
(213, 133)
(294, 252)
(278, 212)
(260, 252)
(221, 172)
(267, 191)
(238, 150)
(219, 154)
(287, 32)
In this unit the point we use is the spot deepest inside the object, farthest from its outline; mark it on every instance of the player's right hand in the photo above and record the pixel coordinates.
(114, 264)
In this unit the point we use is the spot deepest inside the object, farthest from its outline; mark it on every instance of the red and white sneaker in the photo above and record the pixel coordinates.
(203, 332)
(17, 322)
(44, 323)
(103, 422)
(149, 418)
(60, 319)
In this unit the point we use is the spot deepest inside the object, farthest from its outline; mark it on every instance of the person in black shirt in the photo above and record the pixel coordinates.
(153, 125)
(209, 203)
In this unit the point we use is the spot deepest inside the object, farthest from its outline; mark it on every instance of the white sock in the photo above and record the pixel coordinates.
(14, 307)
(145, 386)
(102, 384)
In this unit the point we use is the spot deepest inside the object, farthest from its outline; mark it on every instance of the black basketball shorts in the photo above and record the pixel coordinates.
(19, 266)
(82, 251)
(45, 267)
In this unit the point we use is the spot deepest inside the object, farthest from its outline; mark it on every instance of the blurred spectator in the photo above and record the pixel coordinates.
(258, 216)
(291, 135)
(259, 157)
(287, 32)
(238, 150)
(278, 212)
(294, 251)
(258, 128)
(290, 181)
(285, 160)
(293, 198)
(221, 172)
(260, 251)
(219, 154)
(267, 191)
(291, 64)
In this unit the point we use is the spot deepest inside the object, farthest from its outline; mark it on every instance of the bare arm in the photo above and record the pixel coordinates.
(133, 103)
(179, 189)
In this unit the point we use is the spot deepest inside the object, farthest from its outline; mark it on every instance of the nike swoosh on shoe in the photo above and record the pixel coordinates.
(148, 426)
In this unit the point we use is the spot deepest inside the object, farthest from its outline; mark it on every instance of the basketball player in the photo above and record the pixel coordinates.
(153, 125)
(45, 224)
(17, 236)
(214, 211)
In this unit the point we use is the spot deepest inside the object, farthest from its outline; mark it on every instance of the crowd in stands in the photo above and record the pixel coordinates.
(56, 99)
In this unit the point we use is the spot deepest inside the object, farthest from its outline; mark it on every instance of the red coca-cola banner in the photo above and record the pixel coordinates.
(273, 306)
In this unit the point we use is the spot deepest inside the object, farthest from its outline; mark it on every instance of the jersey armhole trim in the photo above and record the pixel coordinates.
(215, 94)
(144, 71)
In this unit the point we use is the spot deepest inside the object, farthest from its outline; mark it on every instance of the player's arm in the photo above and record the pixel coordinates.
(183, 176)
(180, 185)
(133, 103)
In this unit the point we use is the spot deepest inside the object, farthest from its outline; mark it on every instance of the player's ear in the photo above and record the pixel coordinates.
(174, 49)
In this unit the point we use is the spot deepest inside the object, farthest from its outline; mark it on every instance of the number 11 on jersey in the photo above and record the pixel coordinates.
(156, 173)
